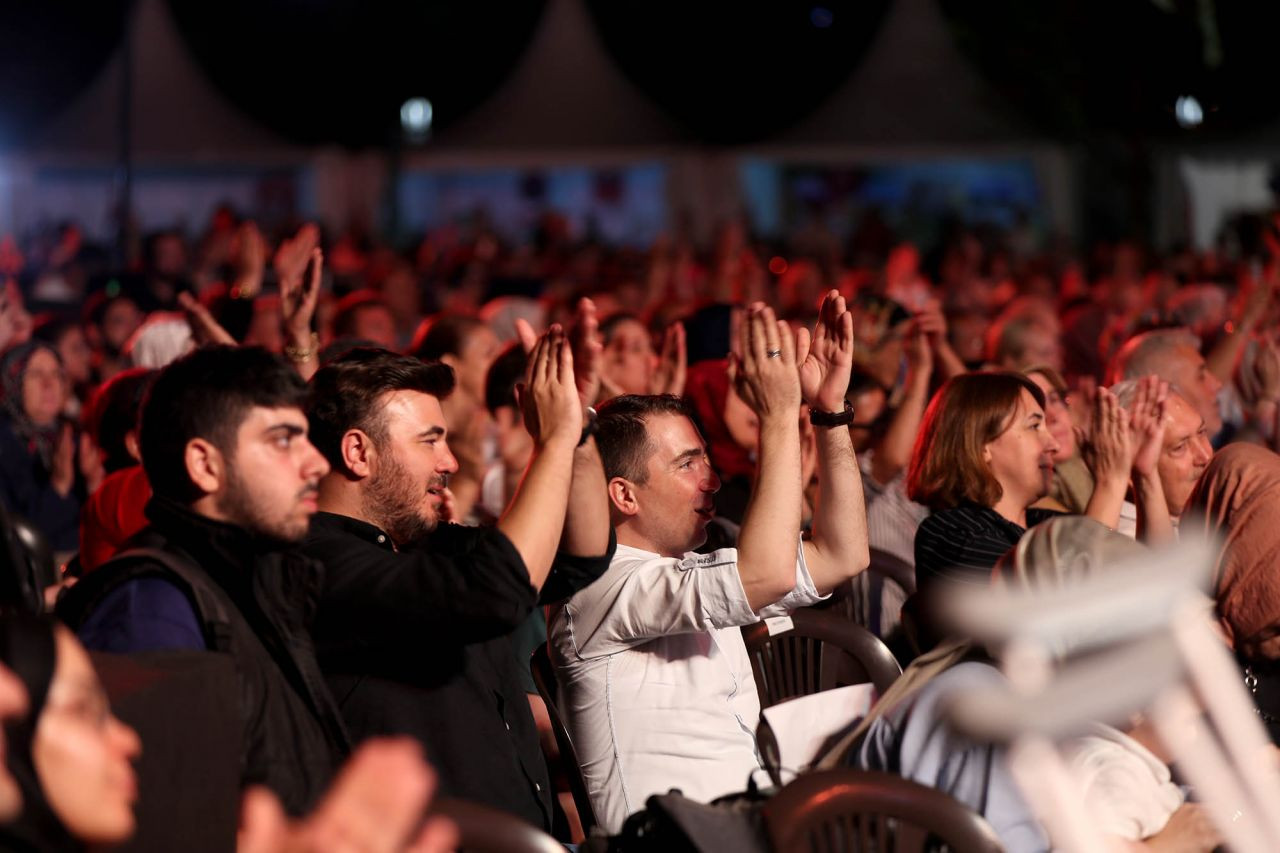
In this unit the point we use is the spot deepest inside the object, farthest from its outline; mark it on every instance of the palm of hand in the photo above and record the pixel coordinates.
(824, 375)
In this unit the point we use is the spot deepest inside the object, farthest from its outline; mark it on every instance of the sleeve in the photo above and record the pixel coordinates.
(469, 584)
(803, 594)
(147, 614)
(640, 598)
(570, 573)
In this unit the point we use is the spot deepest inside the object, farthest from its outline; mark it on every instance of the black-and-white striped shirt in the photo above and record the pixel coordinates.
(965, 542)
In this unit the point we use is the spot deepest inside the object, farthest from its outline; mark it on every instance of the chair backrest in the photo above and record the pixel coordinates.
(482, 829)
(871, 812)
(819, 652)
(544, 676)
(861, 599)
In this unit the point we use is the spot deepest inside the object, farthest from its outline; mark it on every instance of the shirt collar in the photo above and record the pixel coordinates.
(370, 533)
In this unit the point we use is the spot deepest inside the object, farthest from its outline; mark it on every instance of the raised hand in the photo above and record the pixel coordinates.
(62, 468)
(298, 299)
(826, 357)
(919, 353)
(764, 373)
(1109, 448)
(293, 255)
(1147, 425)
(670, 375)
(588, 351)
(549, 395)
(251, 261)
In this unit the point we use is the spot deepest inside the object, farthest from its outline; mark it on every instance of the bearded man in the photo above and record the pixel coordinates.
(412, 631)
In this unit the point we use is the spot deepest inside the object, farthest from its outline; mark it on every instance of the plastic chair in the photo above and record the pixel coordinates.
(482, 829)
(821, 651)
(544, 676)
(870, 812)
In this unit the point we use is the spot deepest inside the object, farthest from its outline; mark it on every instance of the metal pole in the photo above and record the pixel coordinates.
(124, 152)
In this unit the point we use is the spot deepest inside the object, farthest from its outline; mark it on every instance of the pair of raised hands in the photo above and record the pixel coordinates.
(773, 369)
(1116, 442)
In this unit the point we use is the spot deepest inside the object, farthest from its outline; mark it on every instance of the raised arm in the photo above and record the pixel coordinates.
(764, 375)
(837, 549)
(535, 517)
(586, 524)
(894, 451)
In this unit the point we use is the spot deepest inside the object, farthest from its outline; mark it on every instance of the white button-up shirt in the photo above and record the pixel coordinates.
(655, 682)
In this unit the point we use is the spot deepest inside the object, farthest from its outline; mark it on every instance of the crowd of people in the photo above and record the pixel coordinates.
(378, 481)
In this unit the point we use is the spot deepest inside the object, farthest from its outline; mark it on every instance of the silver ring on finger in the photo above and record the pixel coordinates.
(774, 353)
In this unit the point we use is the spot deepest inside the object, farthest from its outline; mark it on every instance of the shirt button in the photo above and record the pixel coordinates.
(537, 786)
(508, 725)
(381, 539)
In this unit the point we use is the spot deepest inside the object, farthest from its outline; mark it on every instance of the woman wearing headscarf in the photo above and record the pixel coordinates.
(1237, 501)
(71, 758)
(37, 449)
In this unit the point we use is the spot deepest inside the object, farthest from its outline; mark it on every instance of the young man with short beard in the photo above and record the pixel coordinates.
(413, 627)
(224, 445)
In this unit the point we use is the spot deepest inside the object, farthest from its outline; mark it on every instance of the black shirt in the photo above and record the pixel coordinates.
(965, 542)
(417, 642)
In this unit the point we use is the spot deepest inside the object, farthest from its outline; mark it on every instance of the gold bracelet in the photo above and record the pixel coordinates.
(301, 355)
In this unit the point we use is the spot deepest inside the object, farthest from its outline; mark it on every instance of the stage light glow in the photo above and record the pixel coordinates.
(1188, 112)
(415, 116)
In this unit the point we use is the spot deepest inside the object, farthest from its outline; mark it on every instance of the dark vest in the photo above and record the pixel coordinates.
(293, 738)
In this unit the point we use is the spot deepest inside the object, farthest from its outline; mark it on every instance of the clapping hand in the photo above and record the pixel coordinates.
(763, 372)
(826, 356)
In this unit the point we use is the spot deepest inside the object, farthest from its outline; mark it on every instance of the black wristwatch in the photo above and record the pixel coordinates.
(820, 418)
(588, 426)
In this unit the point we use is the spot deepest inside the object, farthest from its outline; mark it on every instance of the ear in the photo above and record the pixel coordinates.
(131, 444)
(358, 453)
(622, 494)
(451, 360)
(986, 453)
(205, 465)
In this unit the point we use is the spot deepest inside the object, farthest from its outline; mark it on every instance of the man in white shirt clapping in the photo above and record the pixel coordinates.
(656, 685)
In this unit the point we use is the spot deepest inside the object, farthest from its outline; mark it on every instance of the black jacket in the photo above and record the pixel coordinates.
(293, 737)
(416, 642)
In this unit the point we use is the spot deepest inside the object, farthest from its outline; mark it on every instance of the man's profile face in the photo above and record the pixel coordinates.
(405, 489)
(677, 500)
(1185, 454)
(273, 475)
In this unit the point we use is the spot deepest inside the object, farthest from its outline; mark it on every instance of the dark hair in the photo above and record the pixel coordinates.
(347, 394)
(505, 372)
(969, 412)
(208, 394)
(112, 412)
(622, 432)
(99, 301)
(349, 307)
(442, 335)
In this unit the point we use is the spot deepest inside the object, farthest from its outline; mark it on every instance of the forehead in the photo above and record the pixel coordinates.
(42, 358)
(670, 435)
(627, 329)
(261, 418)
(1184, 420)
(412, 411)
